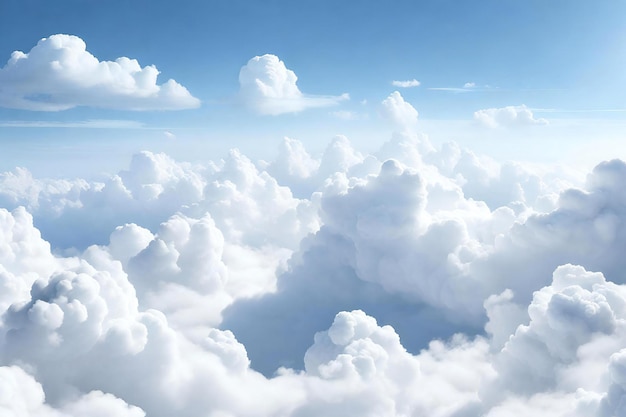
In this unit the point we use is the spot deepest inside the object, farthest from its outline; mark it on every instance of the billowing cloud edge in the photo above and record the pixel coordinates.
(268, 87)
(59, 74)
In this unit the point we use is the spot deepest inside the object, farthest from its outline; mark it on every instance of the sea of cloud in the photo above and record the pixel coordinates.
(414, 281)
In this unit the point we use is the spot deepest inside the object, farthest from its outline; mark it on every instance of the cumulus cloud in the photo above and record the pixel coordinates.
(406, 84)
(59, 73)
(417, 280)
(508, 116)
(397, 111)
(267, 86)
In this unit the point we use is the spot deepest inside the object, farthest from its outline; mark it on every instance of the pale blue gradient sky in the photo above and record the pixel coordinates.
(566, 60)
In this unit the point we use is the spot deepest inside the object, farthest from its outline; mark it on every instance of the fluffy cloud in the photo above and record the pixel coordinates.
(23, 396)
(507, 117)
(59, 73)
(413, 281)
(267, 86)
(398, 111)
(406, 84)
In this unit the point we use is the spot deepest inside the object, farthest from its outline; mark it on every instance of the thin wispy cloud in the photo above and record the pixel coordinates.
(551, 110)
(467, 88)
(348, 115)
(86, 124)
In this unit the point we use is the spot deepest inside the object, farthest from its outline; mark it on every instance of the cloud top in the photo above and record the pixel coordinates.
(268, 87)
(59, 73)
(370, 288)
(397, 111)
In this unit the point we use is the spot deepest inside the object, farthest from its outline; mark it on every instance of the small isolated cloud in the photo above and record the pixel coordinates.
(267, 86)
(59, 74)
(508, 116)
(406, 84)
(348, 115)
(469, 85)
(398, 111)
(169, 134)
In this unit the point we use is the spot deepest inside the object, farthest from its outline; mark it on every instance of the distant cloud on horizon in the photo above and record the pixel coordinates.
(508, 116)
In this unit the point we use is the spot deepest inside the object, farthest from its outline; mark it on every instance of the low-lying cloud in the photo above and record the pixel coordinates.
(508, 116)
(416, 280)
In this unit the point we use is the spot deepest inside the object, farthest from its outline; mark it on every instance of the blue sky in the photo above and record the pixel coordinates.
(564, 60)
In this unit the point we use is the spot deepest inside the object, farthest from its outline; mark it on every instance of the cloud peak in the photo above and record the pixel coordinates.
(268, 87)
(399, 112)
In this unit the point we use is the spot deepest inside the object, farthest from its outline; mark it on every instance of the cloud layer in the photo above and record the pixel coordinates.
(59, 73)
(411, 281)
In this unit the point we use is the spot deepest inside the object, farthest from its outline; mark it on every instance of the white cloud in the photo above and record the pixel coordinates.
(267, 86)
(87, 124)
(59, 74)
(406, 84)
(412, 281)
(467, 88)
(398, 111)
(507, 117)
